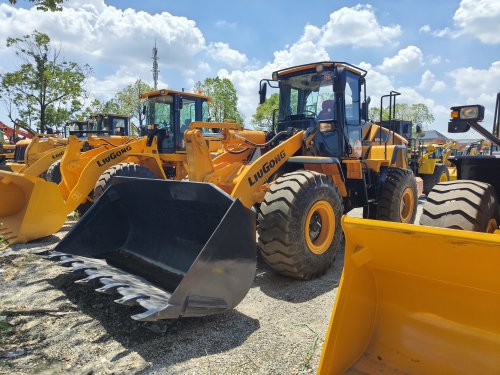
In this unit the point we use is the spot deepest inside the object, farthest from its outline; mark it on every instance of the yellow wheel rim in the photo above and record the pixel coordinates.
(491, 226)
(319, 227)
(443, 177)
(407, 205)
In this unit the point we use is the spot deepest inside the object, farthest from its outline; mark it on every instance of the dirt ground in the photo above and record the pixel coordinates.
(279, 328)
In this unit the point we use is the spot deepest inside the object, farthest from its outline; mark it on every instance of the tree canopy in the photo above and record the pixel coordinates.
(417, 113)
(263, 116)
(128, 100)
(45, 5)
(224, 104)
(46, 88)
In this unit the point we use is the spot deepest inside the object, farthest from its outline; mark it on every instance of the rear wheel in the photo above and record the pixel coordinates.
(398, 198)
(441, 174)
(53, 174)
(122, 169)
(463, 204)
(299, 224)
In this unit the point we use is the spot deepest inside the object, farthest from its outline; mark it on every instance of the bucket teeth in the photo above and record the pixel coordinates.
(66, 262)
(44, 252)
(149, 315)
(54, 255)
(91, 278)
(80, 267)
(111, 288)
(132, 299)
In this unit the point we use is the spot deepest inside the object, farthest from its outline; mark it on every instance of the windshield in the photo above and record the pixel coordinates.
(159, 112)
(307, 96)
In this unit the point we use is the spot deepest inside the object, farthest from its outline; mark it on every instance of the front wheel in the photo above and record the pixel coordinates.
(299, 224)
(398, 198)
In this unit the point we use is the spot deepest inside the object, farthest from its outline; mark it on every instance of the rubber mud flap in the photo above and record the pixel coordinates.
(30, 208)
(191, 240)
(415, 300)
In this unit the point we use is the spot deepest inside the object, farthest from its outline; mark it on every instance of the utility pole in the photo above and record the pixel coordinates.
(155, 66)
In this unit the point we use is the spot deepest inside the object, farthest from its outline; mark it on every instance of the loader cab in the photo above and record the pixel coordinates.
(326, 96)
(169, 113)
(110, 124)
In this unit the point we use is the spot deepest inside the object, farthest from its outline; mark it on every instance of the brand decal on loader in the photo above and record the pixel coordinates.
(268, 166)
(59, 154)
(113, 156)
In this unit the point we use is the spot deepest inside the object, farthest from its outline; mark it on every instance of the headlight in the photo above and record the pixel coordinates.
(325, 127)
(469, 113)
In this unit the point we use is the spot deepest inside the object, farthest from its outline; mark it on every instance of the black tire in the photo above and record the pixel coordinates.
(432, 179)
(282, 218)
(53, 174)
(463, 204)
(399, 186)
(121, 169)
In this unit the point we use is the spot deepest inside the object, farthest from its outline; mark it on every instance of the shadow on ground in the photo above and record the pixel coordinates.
(287, 289)
(164, 342)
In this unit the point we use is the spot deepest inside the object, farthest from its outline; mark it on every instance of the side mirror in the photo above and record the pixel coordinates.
(458, 127)
(365, 109)
(263, 93)
(339, 80)
(419, 128)
(144, 110)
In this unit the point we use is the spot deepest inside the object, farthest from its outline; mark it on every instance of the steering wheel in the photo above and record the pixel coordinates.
(307, 112)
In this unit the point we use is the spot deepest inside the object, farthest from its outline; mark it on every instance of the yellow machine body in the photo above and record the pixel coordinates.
(415, 300)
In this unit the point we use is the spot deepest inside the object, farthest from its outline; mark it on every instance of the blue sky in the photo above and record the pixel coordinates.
(441, 53)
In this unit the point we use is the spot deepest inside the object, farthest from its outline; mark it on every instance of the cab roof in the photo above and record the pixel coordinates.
(325, 64)
(166, 92)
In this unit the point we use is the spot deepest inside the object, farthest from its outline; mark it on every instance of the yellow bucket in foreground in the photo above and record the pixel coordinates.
(30, 208)
(415, 300)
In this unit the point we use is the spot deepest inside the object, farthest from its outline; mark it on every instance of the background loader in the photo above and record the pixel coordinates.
(31, 207)
(432, 305)
(322, 159)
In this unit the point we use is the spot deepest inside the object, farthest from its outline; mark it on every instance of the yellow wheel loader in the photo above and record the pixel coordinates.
(188, 248)
(422, 300)
(31, 207)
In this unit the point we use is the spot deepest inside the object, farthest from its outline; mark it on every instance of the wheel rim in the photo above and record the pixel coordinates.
(319, 227)
(443, 177)
(491, 226)
(407, 205)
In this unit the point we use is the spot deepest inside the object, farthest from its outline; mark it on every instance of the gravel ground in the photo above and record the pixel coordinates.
(279, 328)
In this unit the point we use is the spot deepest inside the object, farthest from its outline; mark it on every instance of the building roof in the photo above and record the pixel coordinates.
(433, 134)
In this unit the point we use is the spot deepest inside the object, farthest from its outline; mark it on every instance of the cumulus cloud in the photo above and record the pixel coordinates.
(357, 26)
(477, 85)
(406, 59)
(222, 52)
(120, 41)
(480, 19)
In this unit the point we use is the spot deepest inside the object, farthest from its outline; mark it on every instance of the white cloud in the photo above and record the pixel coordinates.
(425, 29)
(479, 18)
(226, 24)
(357, 26)
(477, 85)
(439, 86)
(407, 59)
(427, 80)
(222, 52)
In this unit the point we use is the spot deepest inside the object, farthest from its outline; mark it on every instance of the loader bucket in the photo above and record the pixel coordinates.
(30, 208)
(176, 248)
(415, 300)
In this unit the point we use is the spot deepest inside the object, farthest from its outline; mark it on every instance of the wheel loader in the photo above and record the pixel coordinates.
(428, 162)
(188, 248)
(421, 299)
(31, 207)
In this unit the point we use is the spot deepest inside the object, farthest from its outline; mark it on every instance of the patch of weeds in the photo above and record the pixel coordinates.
(3, 243)
(24, 259)
(307, 361)
(75, 215)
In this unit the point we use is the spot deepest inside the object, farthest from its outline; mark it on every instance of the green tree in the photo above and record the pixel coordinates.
(224, 105)
(44, 79)
(263, 117)
(128, 100)
(417, 113)
(45, 5)
(96, 106)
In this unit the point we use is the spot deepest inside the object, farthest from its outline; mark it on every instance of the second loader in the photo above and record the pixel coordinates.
(31, 207)
(195, 240)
